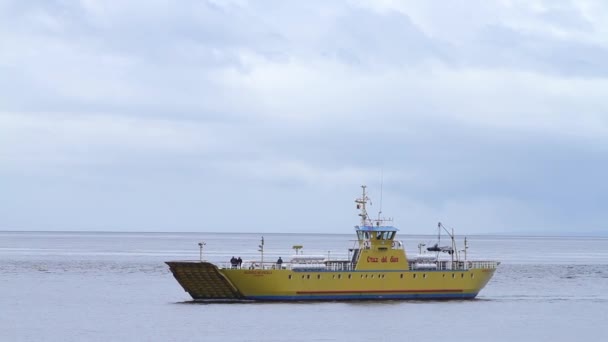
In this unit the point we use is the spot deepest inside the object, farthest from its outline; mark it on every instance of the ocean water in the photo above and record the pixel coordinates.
(77, 286)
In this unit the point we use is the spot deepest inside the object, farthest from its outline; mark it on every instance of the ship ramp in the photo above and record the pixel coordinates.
(203, 281)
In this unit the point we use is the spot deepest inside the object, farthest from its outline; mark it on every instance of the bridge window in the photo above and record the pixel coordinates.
(461, 275)
(339, 276)
(472, 275)
(308, 276)
(349, 276)
(401, 275)
(414, 275)
(453, 275)
(318, 276)
(289, 276)
(424, 275)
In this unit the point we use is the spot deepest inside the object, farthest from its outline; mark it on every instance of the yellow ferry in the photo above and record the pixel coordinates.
(377, 268)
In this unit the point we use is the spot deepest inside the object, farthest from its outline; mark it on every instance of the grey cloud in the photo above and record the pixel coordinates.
(202, 111)
(500, 46)
(377, 39)
(567, 18)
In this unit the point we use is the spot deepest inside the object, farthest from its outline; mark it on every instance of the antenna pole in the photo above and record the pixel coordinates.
(438, 233)
(454, 250)
(381, 183)
(466, 246)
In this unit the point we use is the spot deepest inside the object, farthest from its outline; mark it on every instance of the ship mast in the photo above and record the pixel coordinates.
(361, 203)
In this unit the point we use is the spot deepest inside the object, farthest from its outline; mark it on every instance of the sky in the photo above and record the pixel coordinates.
(268, 116)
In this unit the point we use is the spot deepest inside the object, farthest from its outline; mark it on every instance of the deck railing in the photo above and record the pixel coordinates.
(484, 264)
(442, 265)
(446, 265)
(331, 266)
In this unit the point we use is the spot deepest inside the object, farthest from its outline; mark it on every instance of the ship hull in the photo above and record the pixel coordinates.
(360, 296)
(204, 281)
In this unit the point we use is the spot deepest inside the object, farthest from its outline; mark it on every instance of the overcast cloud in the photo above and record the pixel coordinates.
(267, 116)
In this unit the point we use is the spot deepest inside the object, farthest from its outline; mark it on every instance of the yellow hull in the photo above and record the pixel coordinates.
(284, 285)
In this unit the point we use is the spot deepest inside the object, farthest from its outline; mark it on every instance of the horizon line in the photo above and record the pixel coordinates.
(502, 234)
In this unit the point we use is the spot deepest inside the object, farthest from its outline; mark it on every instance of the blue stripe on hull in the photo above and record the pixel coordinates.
(366, 296)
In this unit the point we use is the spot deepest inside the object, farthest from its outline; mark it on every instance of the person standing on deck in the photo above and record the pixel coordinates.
(233, 262)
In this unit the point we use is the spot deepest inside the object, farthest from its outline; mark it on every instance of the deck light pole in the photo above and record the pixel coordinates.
(420, 245)
(200, 246)
(297, 248)
(261, 250)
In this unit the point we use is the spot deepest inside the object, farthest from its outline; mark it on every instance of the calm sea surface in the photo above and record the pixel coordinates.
(65, 286)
